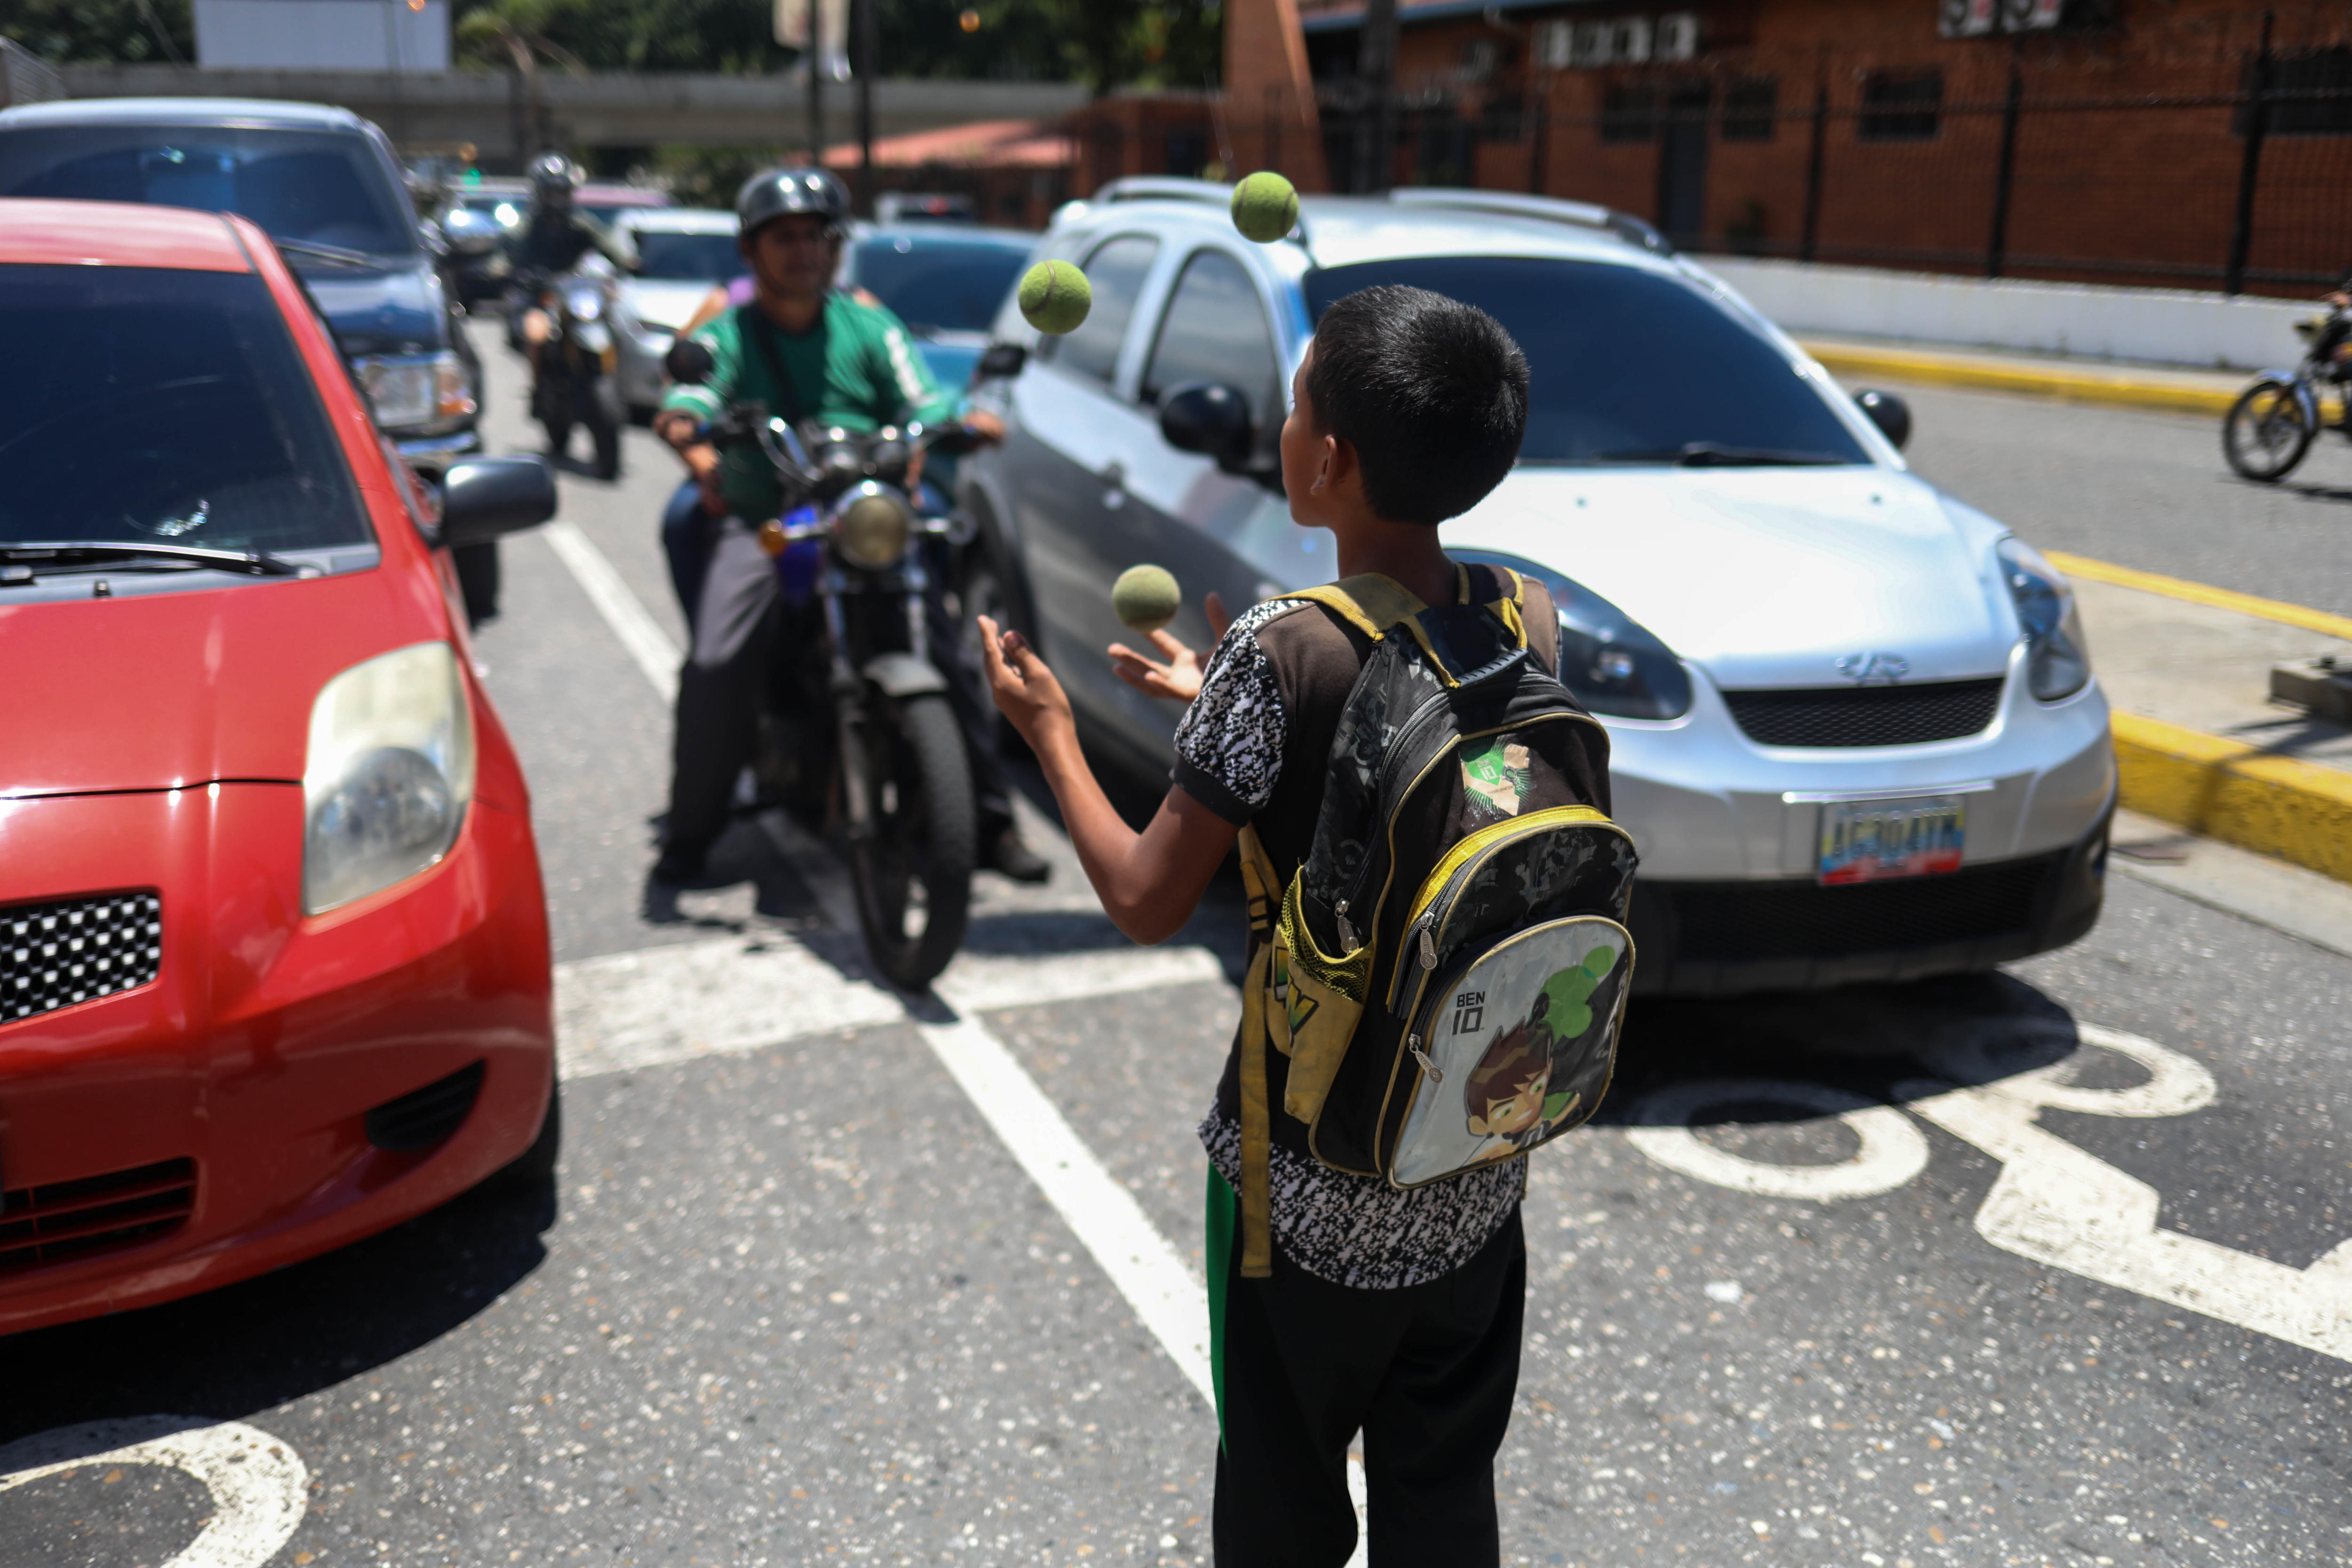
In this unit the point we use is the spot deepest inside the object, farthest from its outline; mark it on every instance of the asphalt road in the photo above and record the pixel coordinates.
(2039, 1269)
(2142, 489)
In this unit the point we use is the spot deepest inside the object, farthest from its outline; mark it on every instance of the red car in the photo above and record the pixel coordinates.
(274, 967)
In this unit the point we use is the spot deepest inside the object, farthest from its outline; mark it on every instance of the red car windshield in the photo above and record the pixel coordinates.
(162, 406)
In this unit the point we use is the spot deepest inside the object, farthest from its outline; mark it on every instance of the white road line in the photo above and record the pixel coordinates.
(1166, 1295)
(639, 633)
(258, 1485)
(657, 997)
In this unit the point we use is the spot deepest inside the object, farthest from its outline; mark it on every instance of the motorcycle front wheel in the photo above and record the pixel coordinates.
(2267, 431)
(603, 429)
(912, 867)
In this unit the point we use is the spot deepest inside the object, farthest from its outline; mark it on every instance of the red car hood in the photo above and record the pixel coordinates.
(160, 690)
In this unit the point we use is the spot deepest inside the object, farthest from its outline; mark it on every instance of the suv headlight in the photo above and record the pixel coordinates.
(409, 390)
(1611, 662)
(2057, 660)
(388, 776)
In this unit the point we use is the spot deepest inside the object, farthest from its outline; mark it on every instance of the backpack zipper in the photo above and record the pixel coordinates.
(1463, 857)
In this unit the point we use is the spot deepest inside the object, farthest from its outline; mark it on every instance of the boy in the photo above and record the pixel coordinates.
(1395, 1312)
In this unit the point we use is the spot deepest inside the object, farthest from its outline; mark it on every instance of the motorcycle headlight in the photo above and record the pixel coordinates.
(871, 526)
(1612, 663)
(584, 302)
(388, 776)
(2057, 660)
(410, 390)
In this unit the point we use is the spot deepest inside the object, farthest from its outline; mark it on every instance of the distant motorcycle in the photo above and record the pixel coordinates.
(2271, 427)
(855, 737)
(573, 384)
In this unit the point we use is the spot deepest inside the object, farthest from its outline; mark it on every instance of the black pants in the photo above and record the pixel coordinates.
(1426, 1373)
(737, 624)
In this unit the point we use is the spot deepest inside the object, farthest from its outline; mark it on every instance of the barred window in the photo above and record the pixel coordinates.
(1902, 106)
(1630, 114)
(1750, 106)
(2310, 94)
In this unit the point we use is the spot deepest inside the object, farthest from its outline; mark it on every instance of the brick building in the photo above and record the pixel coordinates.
(2202, 144)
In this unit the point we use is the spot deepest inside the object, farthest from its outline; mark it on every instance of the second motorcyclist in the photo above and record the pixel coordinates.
(807, 350)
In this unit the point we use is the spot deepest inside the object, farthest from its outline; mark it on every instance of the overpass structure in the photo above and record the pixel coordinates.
(506, 120)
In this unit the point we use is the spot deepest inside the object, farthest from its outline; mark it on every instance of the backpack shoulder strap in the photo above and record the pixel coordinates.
(1369, 601)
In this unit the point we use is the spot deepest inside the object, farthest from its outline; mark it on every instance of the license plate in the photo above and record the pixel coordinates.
(1876, 840)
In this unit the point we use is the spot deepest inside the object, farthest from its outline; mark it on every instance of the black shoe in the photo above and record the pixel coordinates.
(1004, 853)
(681, 865)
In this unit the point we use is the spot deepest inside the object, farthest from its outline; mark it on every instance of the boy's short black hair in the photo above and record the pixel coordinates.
(1432, 392)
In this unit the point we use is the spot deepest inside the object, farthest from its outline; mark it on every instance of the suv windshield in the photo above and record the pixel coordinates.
(161, 406)
(324, 186)
(670, 256)
(938, 285)
(1625, 366)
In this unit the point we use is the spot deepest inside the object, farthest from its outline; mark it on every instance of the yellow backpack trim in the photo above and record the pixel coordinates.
(1473, 844)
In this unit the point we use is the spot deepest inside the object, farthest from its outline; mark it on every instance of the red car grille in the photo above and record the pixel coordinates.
(97, 1214)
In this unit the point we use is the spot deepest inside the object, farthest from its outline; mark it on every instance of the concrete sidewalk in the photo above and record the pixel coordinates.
(2198, 744)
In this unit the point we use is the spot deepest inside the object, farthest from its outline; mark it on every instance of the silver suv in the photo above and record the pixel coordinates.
(1855, 731)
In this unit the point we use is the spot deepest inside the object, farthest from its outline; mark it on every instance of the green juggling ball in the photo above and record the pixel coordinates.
(1054, 297)
(1145, 598)
(1266, 206)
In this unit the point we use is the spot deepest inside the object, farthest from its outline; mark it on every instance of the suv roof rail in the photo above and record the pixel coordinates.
(1164, 188)
(1551, 209)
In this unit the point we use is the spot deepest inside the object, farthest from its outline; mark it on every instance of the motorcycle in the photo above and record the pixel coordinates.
(2271, 425)
(572, 384)
(856, 739)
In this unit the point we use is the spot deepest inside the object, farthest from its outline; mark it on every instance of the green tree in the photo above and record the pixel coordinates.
(104, 32)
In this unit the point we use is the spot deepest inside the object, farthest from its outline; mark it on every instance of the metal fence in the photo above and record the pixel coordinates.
(2217, 156)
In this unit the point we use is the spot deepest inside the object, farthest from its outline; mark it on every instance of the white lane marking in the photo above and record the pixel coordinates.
(640, 634)
(1166, 1294)
(1145, 1267)
(1893, 1149)
(725, 997)
(260, 1487)
(2054, 1203)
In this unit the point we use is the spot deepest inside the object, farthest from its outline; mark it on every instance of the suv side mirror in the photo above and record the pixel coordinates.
(1889, 413)
(1209, 418)
(482, 497)
(689, 362)
(1000, 362)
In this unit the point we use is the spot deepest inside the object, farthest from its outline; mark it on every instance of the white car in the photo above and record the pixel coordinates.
(1855, 732)
(685, 251)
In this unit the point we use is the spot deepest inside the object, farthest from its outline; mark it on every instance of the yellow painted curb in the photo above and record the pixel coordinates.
(2120, 390)
(2275, 806)
(2278, 610)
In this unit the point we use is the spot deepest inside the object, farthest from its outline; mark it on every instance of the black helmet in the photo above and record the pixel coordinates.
(552, 174)
(784, 193)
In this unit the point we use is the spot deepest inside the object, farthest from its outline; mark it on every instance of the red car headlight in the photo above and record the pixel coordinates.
(388, 776)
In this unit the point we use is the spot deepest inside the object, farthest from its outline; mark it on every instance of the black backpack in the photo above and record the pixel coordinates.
(1448, 969)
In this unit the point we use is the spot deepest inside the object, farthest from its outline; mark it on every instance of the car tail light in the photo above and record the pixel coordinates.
(65, 1220)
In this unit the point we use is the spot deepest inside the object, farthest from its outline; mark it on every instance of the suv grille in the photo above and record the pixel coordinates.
(1804, 920)
(65, 1220)
(1866, 715)
(423, 1117)
(53, 956)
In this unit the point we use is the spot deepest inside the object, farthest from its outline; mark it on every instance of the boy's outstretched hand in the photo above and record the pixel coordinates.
(1180, 678)
(1025, 692)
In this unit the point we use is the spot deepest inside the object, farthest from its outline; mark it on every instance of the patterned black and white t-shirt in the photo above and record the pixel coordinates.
(1253, 748)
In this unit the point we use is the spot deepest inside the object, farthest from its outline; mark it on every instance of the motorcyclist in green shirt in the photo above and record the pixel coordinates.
(850, 362)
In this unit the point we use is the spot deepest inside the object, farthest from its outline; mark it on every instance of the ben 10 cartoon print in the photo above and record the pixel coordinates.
(1519, 1051)
(1496, 780)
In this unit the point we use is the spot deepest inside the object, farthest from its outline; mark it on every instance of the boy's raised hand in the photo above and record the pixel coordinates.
(1025, 692)
(1180, 677)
